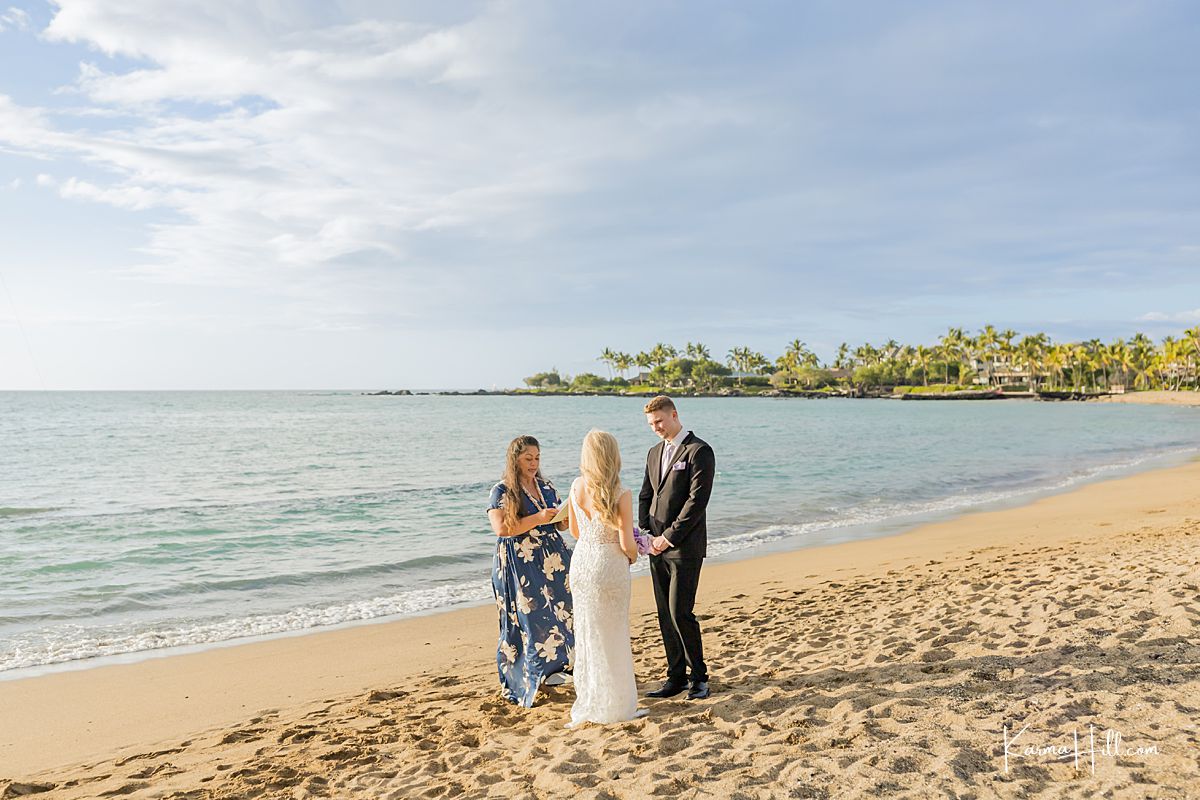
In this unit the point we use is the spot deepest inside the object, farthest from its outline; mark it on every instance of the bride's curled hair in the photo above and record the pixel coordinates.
(600, 465)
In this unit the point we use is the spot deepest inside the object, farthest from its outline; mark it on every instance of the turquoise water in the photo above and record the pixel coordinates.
(133, 522)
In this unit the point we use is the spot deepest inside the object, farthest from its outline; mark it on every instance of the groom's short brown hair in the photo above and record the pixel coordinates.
(660, 403)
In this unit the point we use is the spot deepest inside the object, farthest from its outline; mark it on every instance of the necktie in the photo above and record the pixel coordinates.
(668, 456)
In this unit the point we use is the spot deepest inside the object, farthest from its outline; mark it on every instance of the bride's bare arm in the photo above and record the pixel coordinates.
(571, 521)
(625, 509)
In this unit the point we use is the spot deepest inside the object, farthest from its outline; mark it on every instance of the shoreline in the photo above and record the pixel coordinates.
(109, 713)
(833, 535)
(1154, 397)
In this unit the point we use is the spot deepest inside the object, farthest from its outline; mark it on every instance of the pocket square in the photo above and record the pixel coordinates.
(679, 466)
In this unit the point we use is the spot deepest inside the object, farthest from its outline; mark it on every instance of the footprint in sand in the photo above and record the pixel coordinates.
(244, 735)
(163, 770)
(122, 762)
(20, 789)
(128, 788)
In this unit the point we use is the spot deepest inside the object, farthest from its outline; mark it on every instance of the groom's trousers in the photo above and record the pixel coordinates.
(675, 585)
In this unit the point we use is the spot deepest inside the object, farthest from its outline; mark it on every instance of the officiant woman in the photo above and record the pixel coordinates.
(529, 577)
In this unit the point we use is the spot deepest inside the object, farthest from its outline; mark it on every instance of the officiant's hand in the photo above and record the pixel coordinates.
(546, 515)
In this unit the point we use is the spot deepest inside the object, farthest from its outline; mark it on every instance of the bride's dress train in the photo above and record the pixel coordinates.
(605, 690)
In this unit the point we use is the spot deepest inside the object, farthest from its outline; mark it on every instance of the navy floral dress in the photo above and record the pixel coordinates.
(533, 597)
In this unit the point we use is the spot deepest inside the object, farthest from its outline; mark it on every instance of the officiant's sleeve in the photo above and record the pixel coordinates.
(704, 467)
(645, 497)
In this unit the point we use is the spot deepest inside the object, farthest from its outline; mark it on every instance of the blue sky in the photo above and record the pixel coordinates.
(428, 195)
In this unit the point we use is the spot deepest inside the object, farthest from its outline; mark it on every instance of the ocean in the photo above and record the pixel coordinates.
(138, 523)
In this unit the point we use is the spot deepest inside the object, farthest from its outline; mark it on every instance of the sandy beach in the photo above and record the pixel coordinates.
(1156, 398)
(896, 667)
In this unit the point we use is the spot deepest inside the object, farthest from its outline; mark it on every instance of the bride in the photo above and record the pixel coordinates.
(601, 519)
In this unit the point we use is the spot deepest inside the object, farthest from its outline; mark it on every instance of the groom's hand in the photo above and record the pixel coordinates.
(659, 544)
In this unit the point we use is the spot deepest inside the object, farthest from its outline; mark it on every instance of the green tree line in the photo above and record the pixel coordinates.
(992, 358)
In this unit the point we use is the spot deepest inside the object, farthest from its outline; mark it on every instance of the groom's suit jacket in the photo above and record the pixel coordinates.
(673, 504)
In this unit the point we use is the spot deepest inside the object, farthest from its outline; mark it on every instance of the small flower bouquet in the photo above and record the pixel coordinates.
(642, 540)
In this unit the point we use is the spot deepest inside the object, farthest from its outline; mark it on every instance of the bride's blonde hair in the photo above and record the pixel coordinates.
(600, 465)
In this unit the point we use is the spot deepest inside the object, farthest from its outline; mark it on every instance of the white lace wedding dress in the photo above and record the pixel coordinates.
(605, 690)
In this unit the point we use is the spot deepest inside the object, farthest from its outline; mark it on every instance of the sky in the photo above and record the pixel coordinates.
(370, 195)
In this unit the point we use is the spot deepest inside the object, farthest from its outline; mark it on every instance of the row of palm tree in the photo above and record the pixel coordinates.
(741, 359)
(992, 358)
(660, 355)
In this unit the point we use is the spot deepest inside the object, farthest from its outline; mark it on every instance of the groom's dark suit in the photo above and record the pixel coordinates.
(672, 503)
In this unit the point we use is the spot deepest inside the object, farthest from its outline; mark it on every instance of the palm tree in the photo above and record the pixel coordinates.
(609, 358)
(1158, 369)
(738, 360)
(954, 348)
(974, 356)
(757, 362)
(697, 351)
(787, 363)
(1006, 339)
(796, 356)
(1005, 349)
(1099, 359)
(1142, 353)
(988, 338)
(1056, 361)
(1172, 361)
(987, 344)
(1192, 355)
(662, 353)
(842, 359)
(1077, 357)
(643, 361)
(1122, 360)
(623, 361)
(803, 356)
(866, 355)
(921, 358)
(1031, 353)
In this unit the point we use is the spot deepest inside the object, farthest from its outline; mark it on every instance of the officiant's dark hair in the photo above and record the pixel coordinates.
(512, 478)
(660, 403)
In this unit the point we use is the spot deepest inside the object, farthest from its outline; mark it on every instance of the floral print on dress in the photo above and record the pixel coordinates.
(533, 601)
(552, 564)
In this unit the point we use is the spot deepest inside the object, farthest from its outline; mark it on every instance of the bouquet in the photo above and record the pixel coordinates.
(642, 540)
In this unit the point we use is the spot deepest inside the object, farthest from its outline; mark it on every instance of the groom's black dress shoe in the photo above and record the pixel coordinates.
(698, 690)
(668, 689)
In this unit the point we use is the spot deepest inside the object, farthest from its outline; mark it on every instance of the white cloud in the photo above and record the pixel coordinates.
(132, 197)
(15, 183)
(14, 18)
(19, 126)
(316, 144)
(1176, 316)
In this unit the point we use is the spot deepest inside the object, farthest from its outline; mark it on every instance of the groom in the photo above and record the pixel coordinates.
(671, 505)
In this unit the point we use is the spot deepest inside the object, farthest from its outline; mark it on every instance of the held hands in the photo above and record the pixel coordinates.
(659, 545)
